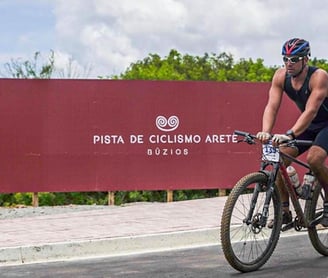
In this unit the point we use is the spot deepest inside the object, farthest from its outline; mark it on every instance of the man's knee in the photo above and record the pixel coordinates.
(316, 157)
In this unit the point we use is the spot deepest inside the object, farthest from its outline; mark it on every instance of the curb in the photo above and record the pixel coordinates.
(110, 247)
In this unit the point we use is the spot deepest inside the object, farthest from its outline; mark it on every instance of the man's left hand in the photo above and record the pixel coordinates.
(280, 138)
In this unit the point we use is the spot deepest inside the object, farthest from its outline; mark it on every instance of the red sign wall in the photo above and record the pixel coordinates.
(99, 135)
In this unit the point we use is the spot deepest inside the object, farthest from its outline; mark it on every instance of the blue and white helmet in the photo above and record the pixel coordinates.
(297, 47)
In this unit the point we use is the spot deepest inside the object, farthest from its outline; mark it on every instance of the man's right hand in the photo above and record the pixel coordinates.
(263, 136)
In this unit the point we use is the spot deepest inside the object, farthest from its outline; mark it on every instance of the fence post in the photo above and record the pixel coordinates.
(35, 199)
(169, 197)
(222, 192)
(111, 198)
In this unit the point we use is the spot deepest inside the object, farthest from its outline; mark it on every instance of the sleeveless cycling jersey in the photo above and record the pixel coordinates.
(301, 96)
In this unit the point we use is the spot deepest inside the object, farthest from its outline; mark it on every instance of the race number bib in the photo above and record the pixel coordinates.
(270, 153)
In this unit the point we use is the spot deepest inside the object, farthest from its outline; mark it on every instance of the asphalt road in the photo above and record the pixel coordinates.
(293, 257)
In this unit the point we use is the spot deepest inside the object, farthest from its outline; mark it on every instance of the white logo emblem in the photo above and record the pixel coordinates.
(166, 125)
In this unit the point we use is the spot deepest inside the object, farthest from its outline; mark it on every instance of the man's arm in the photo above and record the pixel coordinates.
(274, 101)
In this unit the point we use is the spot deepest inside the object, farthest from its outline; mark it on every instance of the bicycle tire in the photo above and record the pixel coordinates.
(318, 234)
(247, 250)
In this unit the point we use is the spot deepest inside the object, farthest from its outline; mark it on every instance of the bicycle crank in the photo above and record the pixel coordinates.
(287, 226)
(296, 224)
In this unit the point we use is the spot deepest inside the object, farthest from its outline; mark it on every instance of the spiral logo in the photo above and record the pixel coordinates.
(166, 125)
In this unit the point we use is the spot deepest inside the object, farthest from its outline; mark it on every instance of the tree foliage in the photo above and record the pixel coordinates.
(210, 67)
(320, 63)
(175, 66)
(44, 68)
(18, 68)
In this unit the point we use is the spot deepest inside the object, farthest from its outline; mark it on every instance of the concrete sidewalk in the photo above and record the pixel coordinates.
(110, 231)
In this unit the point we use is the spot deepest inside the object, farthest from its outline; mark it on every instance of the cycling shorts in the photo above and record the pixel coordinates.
(317, 134)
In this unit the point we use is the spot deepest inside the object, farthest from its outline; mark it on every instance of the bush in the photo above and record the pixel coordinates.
(101, 198)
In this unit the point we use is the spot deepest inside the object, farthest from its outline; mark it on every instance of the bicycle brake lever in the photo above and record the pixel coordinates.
(249, 140)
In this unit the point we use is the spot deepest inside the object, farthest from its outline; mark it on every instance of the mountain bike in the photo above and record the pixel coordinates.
(246, 240)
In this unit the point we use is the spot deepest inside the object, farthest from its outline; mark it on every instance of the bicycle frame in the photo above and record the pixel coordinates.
(247, 240)
(281, 167)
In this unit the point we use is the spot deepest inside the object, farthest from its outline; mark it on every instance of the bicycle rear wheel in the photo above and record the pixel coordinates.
(248, 246)
(318, 234)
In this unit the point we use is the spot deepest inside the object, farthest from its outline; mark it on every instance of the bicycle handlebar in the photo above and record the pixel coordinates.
(245, 134)
(249, 138)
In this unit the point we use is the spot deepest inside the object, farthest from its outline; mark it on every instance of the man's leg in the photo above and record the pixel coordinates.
(280, 181)
(284, 195)
(316, 159)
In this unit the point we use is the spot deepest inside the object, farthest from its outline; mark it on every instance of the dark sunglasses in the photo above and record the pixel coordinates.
(292, 60)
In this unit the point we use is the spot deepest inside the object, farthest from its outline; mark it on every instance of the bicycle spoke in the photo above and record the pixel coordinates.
(247, 243)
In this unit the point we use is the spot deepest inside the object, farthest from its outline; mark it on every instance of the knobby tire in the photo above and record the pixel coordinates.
(318, 234)
(245, 248)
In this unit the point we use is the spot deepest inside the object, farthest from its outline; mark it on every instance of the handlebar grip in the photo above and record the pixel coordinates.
(241, 133)
(245, 134)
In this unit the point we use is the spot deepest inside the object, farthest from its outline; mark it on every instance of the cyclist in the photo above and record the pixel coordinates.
(307, 86)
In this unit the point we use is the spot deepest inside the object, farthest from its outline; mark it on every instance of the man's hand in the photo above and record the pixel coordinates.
(263, 136)
(280, 138)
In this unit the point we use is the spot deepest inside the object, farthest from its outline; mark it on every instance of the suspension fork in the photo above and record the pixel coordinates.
(272, 175)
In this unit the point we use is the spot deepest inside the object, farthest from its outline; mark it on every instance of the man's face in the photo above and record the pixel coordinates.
(293, 64)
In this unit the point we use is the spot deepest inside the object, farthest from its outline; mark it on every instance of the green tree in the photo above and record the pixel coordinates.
(212, 67)
(248, 70)
(320, 63)
(18, 68)
(44, 68)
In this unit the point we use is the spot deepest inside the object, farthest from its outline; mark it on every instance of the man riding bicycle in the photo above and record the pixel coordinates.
(307, 86)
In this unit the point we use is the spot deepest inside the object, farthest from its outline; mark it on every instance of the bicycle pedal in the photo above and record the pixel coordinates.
(287, 226)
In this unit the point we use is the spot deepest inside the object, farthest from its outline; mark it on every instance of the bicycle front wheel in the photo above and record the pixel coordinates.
(317, 233)
(247, 244)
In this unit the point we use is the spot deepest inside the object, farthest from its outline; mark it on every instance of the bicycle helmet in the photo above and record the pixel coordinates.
(297, 47)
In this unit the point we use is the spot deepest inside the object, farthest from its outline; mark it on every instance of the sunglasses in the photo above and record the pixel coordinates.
(292, 60)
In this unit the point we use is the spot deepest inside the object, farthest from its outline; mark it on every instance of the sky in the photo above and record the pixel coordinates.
(103, 37)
